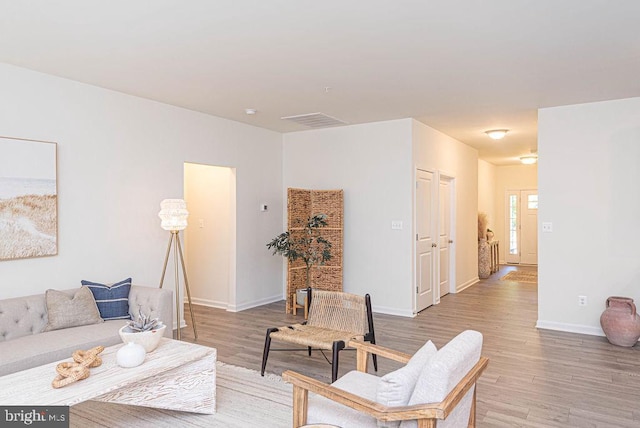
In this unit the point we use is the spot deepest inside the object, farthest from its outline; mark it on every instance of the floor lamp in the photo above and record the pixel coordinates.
(173, 213)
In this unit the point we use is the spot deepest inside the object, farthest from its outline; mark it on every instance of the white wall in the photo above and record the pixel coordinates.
(209, 195)
(487, 191)
(118, 157)
(588, 184)
(435, 151)
(509, 177)
(372, 163)
(375, 164)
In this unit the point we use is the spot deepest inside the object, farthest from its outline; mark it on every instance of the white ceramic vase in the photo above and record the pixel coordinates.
(130, 355)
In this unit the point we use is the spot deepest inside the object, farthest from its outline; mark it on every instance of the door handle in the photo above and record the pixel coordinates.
(450, 241)
(434, 245)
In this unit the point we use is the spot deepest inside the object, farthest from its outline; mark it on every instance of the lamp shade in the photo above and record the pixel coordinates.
(173, 213)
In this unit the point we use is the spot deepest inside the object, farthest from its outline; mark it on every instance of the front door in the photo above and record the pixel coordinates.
(425, 240)
(529, 230)
(522, 226)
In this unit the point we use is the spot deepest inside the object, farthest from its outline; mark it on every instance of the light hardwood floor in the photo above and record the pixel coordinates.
(535, 378)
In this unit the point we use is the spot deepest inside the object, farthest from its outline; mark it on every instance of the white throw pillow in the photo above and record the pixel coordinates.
(441, 374)
(395, 388)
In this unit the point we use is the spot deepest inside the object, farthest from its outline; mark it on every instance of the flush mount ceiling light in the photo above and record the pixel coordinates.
(529, 159)
(497, 134)
(250, 111)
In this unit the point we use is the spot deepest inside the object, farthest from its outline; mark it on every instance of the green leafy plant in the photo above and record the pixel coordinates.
(309, 245)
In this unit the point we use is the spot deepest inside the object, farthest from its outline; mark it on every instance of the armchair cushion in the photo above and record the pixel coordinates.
(441, 374)
(395, 388)
(323, 410)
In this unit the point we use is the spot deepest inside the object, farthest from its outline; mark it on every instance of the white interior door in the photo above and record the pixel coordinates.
(426, 242)
(445, 240)
(521, 226)
(529, 229)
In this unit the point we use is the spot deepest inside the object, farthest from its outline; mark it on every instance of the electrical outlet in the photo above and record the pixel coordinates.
(547, 227)
(582, 300)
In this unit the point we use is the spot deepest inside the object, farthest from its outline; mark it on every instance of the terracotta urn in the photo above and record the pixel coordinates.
(620, 321)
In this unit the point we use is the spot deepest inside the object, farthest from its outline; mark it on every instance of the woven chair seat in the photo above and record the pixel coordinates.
(335, 318)
(317, 337)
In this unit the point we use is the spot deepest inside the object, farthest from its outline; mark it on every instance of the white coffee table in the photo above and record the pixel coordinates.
(176, 376)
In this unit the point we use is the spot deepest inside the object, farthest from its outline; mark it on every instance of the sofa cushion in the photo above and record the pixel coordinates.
(66, 311)
(37, 349)
(112, 299)
(395, 388)
(441, 374)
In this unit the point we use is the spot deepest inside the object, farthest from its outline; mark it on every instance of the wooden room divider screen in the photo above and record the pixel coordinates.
(302, 204)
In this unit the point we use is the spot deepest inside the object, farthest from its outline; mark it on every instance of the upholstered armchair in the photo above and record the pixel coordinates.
(434, 387)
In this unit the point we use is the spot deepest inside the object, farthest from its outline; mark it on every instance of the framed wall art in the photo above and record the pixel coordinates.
(28, 198)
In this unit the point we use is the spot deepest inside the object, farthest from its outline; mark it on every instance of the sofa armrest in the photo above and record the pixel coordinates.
(156, 302)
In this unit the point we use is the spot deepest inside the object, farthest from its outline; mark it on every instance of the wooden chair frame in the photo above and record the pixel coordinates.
(426, 415)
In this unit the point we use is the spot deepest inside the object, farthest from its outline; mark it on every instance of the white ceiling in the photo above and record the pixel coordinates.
(460, 66)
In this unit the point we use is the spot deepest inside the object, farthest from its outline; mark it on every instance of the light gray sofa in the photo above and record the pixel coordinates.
(24, 343)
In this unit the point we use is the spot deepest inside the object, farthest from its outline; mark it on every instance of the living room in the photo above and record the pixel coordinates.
(120, 151)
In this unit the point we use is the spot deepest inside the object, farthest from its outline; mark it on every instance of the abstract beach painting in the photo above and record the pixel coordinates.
(28, 199)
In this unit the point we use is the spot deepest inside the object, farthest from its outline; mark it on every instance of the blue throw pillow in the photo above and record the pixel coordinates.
(112, 300)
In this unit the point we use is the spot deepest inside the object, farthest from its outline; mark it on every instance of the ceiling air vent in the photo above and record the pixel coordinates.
(315, 120)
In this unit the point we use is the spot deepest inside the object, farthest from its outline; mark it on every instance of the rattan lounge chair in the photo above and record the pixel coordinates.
(335, 318)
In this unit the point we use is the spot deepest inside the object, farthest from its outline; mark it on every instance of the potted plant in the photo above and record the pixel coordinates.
(308, 245)
(144, 330)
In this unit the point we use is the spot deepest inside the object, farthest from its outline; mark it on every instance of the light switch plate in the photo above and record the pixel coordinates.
(547, 226)
(396, 224)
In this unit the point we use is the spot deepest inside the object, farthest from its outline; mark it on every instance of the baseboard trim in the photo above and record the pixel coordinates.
(569, 328)
(467, 284)
(392, 311)
(255, 303)
(209, 303)
(233, 308)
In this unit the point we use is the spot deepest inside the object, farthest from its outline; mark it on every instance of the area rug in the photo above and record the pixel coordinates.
(530, 276)
(243, 399)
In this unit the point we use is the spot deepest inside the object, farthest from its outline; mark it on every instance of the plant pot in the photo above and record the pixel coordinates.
(148, 339)
(301, 296)
(620, 322)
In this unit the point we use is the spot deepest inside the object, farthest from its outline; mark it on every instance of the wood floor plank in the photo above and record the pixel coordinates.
(535, 378)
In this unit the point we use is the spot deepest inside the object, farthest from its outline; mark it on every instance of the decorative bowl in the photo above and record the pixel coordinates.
(148, 339)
